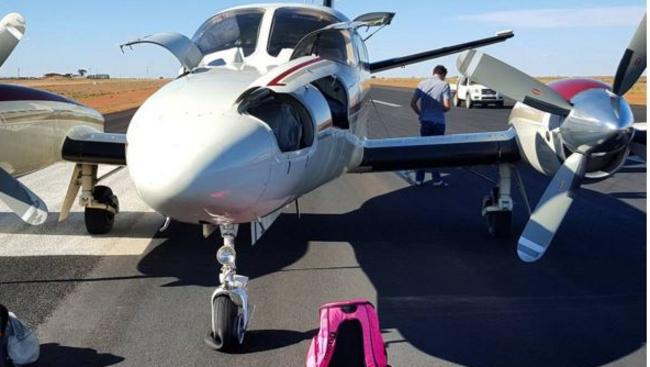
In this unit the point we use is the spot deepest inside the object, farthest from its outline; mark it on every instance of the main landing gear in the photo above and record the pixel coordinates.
(99, 202)
(231, 310)
(497, 206)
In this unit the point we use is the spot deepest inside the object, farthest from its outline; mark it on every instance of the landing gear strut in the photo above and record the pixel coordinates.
(497, 207)
(231, 310)
(99, 202)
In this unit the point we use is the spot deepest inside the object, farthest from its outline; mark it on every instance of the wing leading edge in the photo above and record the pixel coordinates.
(472, 149)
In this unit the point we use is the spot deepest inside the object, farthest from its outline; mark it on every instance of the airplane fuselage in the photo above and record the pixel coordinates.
(219, 144)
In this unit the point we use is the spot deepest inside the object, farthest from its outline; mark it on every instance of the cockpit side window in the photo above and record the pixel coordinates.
(236, 28)
(333, 44)
(292, 24)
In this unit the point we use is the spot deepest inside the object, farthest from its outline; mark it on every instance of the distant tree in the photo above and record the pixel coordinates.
(82, 72)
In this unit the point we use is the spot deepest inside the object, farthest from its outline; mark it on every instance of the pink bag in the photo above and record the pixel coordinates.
(355, 327)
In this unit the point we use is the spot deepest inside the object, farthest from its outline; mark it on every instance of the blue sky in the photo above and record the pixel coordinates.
(569, 38)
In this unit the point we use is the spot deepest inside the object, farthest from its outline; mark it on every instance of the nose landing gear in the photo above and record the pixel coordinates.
(231, 311)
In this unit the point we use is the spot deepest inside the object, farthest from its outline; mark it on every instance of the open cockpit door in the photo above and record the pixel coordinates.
(185, 50)
(375, 19)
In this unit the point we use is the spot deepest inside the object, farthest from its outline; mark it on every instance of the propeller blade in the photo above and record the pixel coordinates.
(12, 28)
(21, 200)
(496, 74)
(633, 62)
(551, 209)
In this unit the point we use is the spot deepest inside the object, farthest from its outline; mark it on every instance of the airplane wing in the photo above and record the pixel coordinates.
(394, 154)
(87, 145)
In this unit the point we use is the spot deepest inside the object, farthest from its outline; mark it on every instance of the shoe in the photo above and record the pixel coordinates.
(419, 183)
(440, 183)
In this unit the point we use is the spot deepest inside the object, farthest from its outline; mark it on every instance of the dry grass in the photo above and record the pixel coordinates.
(637, 95)
(105, 96)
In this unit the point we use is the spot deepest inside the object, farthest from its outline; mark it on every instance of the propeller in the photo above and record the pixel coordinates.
(633, 62)
(21, 200)
(12, 29)
(514, 83)
(595, 121)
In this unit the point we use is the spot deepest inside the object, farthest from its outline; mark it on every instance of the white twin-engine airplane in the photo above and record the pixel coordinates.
(272, 102)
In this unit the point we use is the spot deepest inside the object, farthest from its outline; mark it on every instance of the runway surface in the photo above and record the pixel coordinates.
(446, 293)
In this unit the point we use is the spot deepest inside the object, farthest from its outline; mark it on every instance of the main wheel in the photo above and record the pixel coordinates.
(100, 221)
(225, 323)
(468, 101)
(499, 223)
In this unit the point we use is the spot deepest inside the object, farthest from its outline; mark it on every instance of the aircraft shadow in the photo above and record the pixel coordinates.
(452, 291)
(265, 340)
(53, 354)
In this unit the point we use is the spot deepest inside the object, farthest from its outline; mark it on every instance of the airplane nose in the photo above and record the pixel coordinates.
(199, 168)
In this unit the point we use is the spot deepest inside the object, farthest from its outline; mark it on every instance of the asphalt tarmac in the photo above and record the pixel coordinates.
(446, 292)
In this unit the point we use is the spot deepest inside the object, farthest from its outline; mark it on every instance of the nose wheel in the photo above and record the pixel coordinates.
(231, 311)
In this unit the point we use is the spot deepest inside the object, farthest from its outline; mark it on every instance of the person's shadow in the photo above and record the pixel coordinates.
(56, 355)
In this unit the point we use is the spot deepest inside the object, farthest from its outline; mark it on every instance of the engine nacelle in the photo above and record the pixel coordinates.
(538, 137)
(603, 166)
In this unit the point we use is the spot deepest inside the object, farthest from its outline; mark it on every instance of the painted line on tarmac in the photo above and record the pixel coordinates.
(65, 245)
(387, 103)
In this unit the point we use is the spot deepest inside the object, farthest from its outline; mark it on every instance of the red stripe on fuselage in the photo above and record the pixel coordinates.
(286, 73)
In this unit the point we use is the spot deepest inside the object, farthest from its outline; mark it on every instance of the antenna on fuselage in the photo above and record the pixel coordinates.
(328, 3)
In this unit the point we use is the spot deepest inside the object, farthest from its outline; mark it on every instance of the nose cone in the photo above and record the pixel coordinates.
(198, 166)
(600, 122)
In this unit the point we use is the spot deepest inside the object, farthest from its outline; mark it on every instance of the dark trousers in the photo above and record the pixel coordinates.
(4, 357)
(430, 129)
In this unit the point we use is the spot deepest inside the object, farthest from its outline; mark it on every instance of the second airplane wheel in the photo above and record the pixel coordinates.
(500, 223)
(225, 323)
(100, 221)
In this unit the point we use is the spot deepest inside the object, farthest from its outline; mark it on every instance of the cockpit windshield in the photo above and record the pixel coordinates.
(292, 24)
(236, 28)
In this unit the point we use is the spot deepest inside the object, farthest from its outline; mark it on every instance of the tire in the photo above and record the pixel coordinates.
(100, 221)
(225, 324)
(468, 102)
(499, 223)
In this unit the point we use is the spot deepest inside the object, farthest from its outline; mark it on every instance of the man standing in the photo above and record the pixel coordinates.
(434, 95)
